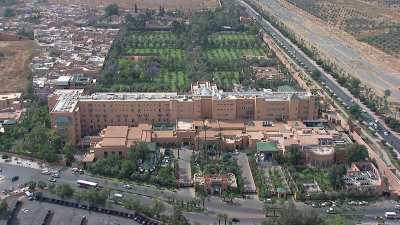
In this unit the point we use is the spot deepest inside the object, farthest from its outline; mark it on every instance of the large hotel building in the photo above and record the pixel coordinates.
(75, 114)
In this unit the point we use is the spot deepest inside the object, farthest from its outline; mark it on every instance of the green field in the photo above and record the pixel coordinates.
(152, 39)
(233, 39)
(175, 80)
(226, 79)
(166, 53)
(233, 54)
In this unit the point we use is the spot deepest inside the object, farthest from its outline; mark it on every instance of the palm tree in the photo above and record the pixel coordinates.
(220, 138)
(220, 217)
(387, 94)
(205, 127)
(225, 218)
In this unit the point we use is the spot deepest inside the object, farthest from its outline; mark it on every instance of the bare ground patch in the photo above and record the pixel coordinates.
(14, 60)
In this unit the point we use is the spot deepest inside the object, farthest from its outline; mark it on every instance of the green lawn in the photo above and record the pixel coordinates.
(226, 79)
(308, 175)
(175, 80)
(233, 40)
(164, 53)
(233, 53)
(152, 39)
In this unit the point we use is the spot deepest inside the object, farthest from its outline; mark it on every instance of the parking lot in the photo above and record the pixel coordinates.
(34, 212)
(23, 175)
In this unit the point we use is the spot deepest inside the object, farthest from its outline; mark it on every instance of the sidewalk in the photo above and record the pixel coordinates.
(248, 180)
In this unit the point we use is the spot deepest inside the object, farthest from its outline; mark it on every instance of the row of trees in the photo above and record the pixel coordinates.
(154, 210)
(64, 191)
(292, 216)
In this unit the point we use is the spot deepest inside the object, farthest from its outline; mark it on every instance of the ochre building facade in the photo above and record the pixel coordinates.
(75, 114)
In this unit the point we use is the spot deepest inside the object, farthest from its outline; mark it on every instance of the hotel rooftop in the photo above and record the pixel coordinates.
(67, 99)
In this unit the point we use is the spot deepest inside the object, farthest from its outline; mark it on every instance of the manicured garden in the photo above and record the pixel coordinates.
(233, 39)
(226, 53)
(226, 79)
(304, 175)
(151, 39)
(163, 53)
(175, 80)
(169, 59)
(233, 54)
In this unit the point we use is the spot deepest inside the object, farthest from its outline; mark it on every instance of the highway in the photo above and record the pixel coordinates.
(342, 94)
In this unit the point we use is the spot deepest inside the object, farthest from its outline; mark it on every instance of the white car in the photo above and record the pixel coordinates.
(127, 186)
(352, 203)
(45, 172)
(331, 211)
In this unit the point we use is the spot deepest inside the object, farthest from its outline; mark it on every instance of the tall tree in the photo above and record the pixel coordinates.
(3, 208)
(112, 10)
(336, 173)
(356, 153)
(293, 155)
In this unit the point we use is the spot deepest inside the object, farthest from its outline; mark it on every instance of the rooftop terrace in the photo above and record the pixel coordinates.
(69, 98)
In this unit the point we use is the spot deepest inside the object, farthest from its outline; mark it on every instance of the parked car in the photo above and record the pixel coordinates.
(331, 210)
(235, 220)
(45, 172)
(14, 178)
(127, 186)
(352, 203)
(363, 203)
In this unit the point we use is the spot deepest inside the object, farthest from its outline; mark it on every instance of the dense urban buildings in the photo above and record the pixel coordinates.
(75, 114)
(10, 108)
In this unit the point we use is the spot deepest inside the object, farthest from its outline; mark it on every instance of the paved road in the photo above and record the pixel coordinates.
(348, 57)
(185, 172)
(364, 214)
(211, 218)
(341, 93)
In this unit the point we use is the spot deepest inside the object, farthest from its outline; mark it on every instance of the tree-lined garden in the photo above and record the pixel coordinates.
(207, 45)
